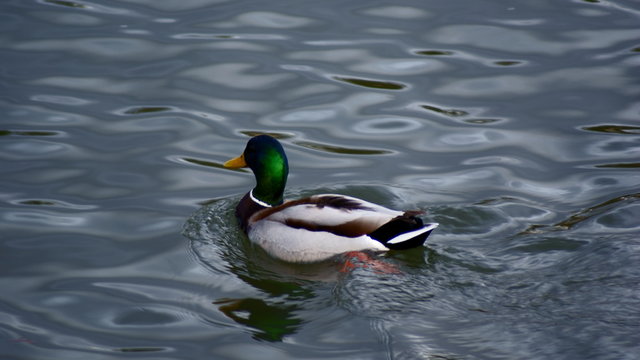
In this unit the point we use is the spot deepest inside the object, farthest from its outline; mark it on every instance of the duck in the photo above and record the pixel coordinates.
(317, 227)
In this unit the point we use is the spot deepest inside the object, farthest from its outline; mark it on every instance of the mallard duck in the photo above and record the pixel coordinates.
(317, 227)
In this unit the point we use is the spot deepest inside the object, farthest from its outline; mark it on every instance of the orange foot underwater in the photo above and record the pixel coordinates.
(358, 259)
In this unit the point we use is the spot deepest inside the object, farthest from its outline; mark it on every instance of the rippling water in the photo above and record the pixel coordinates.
(515, 125)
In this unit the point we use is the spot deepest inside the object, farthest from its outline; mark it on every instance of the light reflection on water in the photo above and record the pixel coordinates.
(513, 126)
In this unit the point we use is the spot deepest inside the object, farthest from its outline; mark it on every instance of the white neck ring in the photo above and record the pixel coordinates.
(257, 201)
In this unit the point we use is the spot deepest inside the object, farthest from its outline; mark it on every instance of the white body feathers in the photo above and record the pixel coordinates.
(277, 237)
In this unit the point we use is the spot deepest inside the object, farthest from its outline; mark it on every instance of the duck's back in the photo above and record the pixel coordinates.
(318, 227)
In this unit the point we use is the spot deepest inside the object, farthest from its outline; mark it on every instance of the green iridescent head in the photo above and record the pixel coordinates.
(265, 157)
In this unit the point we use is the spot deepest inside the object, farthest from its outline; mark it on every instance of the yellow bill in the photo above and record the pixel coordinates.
(235, 163)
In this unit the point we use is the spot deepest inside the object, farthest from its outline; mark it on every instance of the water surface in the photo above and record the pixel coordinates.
(514, 125)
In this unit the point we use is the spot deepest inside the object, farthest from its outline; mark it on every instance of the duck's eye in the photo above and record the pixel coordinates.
(249, 150)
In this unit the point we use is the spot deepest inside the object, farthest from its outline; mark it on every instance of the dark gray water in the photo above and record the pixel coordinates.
(515, 125)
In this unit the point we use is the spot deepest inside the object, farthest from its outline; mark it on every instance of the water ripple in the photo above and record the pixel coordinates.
(236, 75)
(91, 7)
(515, 126)
(340, 149)
(45, 218)
(516, 85)
(521, 41)
(115, 48)
(266, 19)
(373, 84)
(386, 126)
(615, 129)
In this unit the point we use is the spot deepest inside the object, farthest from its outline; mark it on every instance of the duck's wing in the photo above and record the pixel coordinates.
(321, 226)
(338, 214)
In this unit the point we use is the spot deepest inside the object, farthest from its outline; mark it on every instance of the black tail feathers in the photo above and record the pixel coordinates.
(403, 232)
